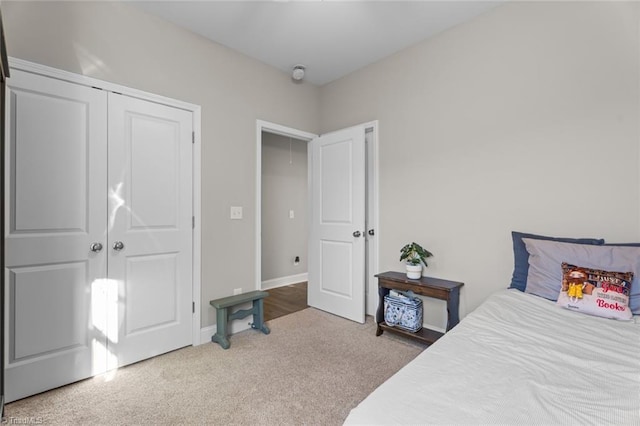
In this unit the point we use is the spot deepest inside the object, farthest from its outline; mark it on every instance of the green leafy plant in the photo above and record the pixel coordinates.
(414, 254)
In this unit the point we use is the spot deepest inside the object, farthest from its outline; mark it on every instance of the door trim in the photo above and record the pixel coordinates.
(196, 161)
(372, 188)
(373, 217)
(265, 126)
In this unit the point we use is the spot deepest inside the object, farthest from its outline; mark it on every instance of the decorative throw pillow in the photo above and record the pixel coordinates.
(595, 291)
(521, 255)
(545, 265)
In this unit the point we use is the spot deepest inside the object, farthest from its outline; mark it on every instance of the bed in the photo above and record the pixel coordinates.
(519, 359)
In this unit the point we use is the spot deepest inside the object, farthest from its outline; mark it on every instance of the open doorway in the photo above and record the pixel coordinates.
(284, 223)
(370, 230)
(283, 211)
(281, 226)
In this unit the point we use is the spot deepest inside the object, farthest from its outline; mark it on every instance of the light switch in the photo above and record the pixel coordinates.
(291, 214)
(236, 212)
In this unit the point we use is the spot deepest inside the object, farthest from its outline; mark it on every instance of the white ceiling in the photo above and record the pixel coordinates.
(331, 38)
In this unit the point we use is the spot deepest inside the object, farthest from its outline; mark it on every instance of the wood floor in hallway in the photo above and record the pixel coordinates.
(285, 300)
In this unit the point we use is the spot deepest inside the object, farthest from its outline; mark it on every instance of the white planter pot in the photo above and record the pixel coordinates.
(414, 272)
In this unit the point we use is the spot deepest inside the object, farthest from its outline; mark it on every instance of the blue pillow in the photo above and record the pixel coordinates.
(521, 255)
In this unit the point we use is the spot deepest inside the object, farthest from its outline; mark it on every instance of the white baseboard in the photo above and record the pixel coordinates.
(205, 335)
(283, 281)
(236, 326)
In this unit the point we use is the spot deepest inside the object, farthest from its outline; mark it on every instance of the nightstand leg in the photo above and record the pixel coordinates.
(382, 292)
(453, 304)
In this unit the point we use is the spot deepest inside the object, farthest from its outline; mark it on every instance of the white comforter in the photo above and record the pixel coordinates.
(517, 359)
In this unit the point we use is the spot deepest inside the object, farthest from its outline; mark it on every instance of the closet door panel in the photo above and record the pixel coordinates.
(50, 190)
(155, 169)
(150, 157)
(151, 275)
(62, 302)
(56, 189)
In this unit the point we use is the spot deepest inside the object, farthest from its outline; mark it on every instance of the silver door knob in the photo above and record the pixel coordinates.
(357, 234)
(372, 232)
(118, 245)
(95, 247)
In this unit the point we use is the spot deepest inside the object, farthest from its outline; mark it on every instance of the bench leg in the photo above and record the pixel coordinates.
(221, 329)
(258, 317)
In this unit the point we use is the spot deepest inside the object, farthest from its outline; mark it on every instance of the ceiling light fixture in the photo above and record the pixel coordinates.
(298, 72)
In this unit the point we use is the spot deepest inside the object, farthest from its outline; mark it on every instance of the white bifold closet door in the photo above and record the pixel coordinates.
(150, 214)
(98, 233)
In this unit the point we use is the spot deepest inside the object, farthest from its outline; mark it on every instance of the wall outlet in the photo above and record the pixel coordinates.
(237, 291)
(296, 260)
(236, 212)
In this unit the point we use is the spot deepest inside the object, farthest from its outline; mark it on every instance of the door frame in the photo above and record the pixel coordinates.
(372, 261)
(196, 168)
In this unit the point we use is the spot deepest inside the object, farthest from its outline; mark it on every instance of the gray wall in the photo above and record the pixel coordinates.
(494, 125)
(525, 118)
(116, 42)
(284, 188)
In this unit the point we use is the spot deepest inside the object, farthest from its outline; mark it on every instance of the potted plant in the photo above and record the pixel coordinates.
(414, 256)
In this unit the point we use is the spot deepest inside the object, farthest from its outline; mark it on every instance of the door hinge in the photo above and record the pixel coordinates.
(193, 307)
(193, 137)
(193, 222)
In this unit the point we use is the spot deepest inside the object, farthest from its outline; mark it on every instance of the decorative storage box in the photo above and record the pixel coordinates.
(403, 310)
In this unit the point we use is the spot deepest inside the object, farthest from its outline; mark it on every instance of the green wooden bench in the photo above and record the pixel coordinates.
(223, 317)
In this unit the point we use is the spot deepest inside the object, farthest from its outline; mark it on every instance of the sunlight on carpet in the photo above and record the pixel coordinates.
(313, 368)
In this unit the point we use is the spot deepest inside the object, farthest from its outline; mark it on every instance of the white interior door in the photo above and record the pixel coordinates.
(150, 215)
(56, 188)
(337, 219)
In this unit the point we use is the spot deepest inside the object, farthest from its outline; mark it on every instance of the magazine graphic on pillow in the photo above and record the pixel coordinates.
(595, 291)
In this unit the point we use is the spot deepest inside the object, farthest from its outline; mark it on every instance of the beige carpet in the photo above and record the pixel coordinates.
(312, 369)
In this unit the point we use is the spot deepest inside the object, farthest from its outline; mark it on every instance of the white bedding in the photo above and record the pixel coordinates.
(517, 359)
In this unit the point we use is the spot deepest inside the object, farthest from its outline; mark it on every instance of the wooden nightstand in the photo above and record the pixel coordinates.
(425, 286)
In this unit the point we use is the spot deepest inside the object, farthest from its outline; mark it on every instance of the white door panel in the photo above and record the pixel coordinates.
(336, 184)
(61, 299)
(336, 259)
(336, 254)
(56, 186)
(154, 179)
(150, 153)
(151, 275)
